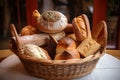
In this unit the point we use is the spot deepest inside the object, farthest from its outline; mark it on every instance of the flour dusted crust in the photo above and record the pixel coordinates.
(36, 51)
(52, 22)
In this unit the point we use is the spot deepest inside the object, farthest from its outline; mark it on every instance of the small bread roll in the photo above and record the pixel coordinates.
(66, 49)
(36, 51)
(64, 43)
(81, 27)
(68, 54)
(52, 22)
(28, 30)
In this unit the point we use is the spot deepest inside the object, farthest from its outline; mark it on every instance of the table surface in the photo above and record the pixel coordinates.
(107, 68)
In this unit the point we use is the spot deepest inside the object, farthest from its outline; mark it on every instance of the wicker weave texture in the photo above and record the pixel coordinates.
(58, 72)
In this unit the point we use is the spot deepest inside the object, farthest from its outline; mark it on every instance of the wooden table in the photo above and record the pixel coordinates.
(5, 53)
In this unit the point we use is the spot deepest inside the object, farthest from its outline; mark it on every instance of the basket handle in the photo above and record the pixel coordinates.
(17, 38)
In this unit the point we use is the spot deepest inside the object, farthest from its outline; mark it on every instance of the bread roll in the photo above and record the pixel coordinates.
(29, 30)
(66, 49)
(52, 22)
(64, 43)
(81, 27)
(36, 51)
(68, 54)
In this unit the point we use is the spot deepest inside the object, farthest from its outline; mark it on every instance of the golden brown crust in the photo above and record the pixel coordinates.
(88, 47)
(29, 30)
(66, 49)
(81, 27)
(99, 33)
(64, 43)
(68, 54)
(36, 15)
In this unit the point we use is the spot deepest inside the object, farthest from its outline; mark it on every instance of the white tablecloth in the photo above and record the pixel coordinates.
(108, 68)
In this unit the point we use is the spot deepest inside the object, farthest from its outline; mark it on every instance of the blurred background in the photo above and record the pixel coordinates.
(19, 12)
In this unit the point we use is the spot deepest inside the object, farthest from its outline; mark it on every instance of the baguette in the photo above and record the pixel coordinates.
(81, 27)
(40, 39)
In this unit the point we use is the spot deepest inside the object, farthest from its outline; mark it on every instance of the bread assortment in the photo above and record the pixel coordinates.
(54, 39)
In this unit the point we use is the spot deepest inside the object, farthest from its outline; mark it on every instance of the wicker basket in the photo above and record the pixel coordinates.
(58, 69)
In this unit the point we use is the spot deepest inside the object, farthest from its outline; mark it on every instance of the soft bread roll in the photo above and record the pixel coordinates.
(68, 54)
(64, 43)
(66, 49)
(29, 30)
(36, 51)
(99, 33)
(52, 22)
(81, 27)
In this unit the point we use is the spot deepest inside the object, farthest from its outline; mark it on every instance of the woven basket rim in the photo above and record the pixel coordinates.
(59, 62)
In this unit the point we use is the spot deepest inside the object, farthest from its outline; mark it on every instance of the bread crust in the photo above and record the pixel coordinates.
(81, 27)
(49, 24)
(100, 34)
(66, 49)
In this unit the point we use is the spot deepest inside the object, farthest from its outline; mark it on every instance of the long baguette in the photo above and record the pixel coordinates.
(40, 39)
(37, 39)
(81, 27)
